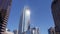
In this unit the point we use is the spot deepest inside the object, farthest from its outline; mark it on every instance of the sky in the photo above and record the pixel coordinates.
(41, 15)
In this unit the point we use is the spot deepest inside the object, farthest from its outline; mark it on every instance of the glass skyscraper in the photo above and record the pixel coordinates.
(4, 13)
(24, 20)
(15, 31)
(34, 30)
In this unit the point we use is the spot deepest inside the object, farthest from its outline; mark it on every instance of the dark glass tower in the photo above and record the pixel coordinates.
(56, 15)
(4, 13)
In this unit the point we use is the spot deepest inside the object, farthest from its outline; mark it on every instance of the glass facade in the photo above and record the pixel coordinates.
(24, 22)
(15, 31)
(35, 31)
(28, 32)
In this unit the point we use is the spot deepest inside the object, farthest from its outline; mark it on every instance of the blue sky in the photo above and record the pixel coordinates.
(40, 14)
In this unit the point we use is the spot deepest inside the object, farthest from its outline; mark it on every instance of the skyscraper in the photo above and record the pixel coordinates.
(34, 30)
(4, 13)
(51, 30)
(24, 20)
(15, 31)
(27, 32)
(56, 15)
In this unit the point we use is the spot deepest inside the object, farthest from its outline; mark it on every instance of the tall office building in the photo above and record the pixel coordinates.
(51, 30)
(15, 31)
(34, 30)
(27, 32)
(24, 20)
(56, 15)
(4, 12)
